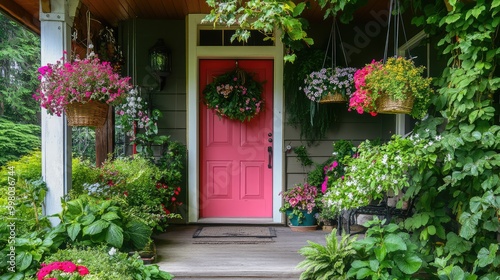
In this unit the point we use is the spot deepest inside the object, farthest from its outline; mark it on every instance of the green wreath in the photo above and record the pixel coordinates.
(234, 95)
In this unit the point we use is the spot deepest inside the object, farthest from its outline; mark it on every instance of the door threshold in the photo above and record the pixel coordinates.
(236, 221)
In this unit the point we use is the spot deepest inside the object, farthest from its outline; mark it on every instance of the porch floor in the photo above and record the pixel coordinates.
(275, 260)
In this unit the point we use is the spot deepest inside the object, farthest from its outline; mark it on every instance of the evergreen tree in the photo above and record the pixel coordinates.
(19, 60)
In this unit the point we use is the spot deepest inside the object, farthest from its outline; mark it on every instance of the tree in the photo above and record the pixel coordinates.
(19, 60)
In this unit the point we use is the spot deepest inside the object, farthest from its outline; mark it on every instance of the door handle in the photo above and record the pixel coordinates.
(270, 151)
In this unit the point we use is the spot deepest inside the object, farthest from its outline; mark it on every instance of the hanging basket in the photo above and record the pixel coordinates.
(333, 98)
(386, 105)
(87, 114)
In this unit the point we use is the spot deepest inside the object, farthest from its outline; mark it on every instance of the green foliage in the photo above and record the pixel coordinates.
(147, 138)
(270, 14)
(83, 142)
(457, 223)
(17, 140)
(91, 221)
(30, 250)
(83, 174)
(331, 261)
(376, 170)
(303, 156)
(22, 193)
(145, 188)
(299, 107)
(105, 264)
(385, 253)
(19, 60)
(172, 161)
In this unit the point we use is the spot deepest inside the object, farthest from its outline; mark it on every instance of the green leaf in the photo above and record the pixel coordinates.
(380, 253)
(394, 242)
(87, 219)
(409, 264)
(469, 224)
(23, 260)
(139, 233)
(298, 9)
(452, 18)
(73, 231)
(114, 235)
(363, 273)
(110, 216)
(431, 230)
(95, 228)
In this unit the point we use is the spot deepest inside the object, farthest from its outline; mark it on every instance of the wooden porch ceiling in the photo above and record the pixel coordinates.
(114, 11)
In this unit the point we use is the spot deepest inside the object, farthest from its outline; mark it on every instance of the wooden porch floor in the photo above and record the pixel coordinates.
(275, 260)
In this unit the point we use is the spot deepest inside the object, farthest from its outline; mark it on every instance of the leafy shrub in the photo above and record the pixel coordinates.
(30, 250)
(107, 264)
(385, 253)
(331, 261)
(83, 174)
(92, 221)
(22, 193)
(17, 140)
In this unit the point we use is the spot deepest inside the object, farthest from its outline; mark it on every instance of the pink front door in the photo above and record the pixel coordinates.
(235, 157)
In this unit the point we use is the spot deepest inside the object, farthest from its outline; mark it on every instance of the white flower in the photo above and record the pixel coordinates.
(112, 251)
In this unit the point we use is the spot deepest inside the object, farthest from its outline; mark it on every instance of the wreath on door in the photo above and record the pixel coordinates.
(234, 95)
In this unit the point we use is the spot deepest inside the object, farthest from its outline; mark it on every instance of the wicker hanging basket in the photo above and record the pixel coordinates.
(87, 114)
(333, 98)
(386, 105)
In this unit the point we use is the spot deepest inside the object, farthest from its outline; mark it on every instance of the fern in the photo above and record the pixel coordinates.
(331, 261)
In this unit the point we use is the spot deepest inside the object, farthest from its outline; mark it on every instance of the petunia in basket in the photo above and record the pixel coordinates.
(80, 81)
(394, 87)
(318, 85)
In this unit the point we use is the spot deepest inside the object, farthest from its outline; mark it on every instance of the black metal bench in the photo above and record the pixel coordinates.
(379, 208)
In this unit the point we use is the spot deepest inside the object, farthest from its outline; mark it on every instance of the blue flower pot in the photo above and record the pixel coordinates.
(309, 219)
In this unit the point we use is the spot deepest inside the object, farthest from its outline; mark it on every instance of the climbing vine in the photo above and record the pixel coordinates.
(459, 206)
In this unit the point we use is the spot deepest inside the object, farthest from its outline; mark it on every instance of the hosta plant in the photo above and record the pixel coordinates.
(329, 261)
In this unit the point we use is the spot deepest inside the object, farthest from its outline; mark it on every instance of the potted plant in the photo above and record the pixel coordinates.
(82, 88)
(329, 84)
(396, 86)
(300, 206)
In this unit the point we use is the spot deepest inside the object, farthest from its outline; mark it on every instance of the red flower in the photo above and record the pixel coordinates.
(82, 270)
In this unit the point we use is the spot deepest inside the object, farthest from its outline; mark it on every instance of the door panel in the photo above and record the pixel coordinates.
(236, 177)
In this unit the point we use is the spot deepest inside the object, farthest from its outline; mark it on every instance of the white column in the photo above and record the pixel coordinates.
(56, 135)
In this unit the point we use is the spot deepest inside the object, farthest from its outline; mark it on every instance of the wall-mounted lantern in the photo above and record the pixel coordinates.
(160, 61)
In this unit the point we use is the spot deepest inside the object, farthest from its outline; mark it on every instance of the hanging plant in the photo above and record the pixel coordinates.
(234, 95)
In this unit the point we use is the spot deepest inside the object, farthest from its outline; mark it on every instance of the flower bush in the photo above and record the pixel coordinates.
(107, 263)
(302, 197)
(234, 95)
(320, 83)
(80, 81)
(374, 170)
(362, 100)
(62, 270)
(399, 78)
(139, 123)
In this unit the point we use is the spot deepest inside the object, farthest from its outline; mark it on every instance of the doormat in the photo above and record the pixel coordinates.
(234, 232)
(234, 235)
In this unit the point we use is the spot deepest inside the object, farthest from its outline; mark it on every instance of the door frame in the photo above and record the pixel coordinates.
(194, 54)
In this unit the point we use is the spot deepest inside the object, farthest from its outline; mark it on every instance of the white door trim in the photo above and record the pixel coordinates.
(194, 54)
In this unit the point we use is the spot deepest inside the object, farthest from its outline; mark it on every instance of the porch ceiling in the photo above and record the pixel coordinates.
(114, 11)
